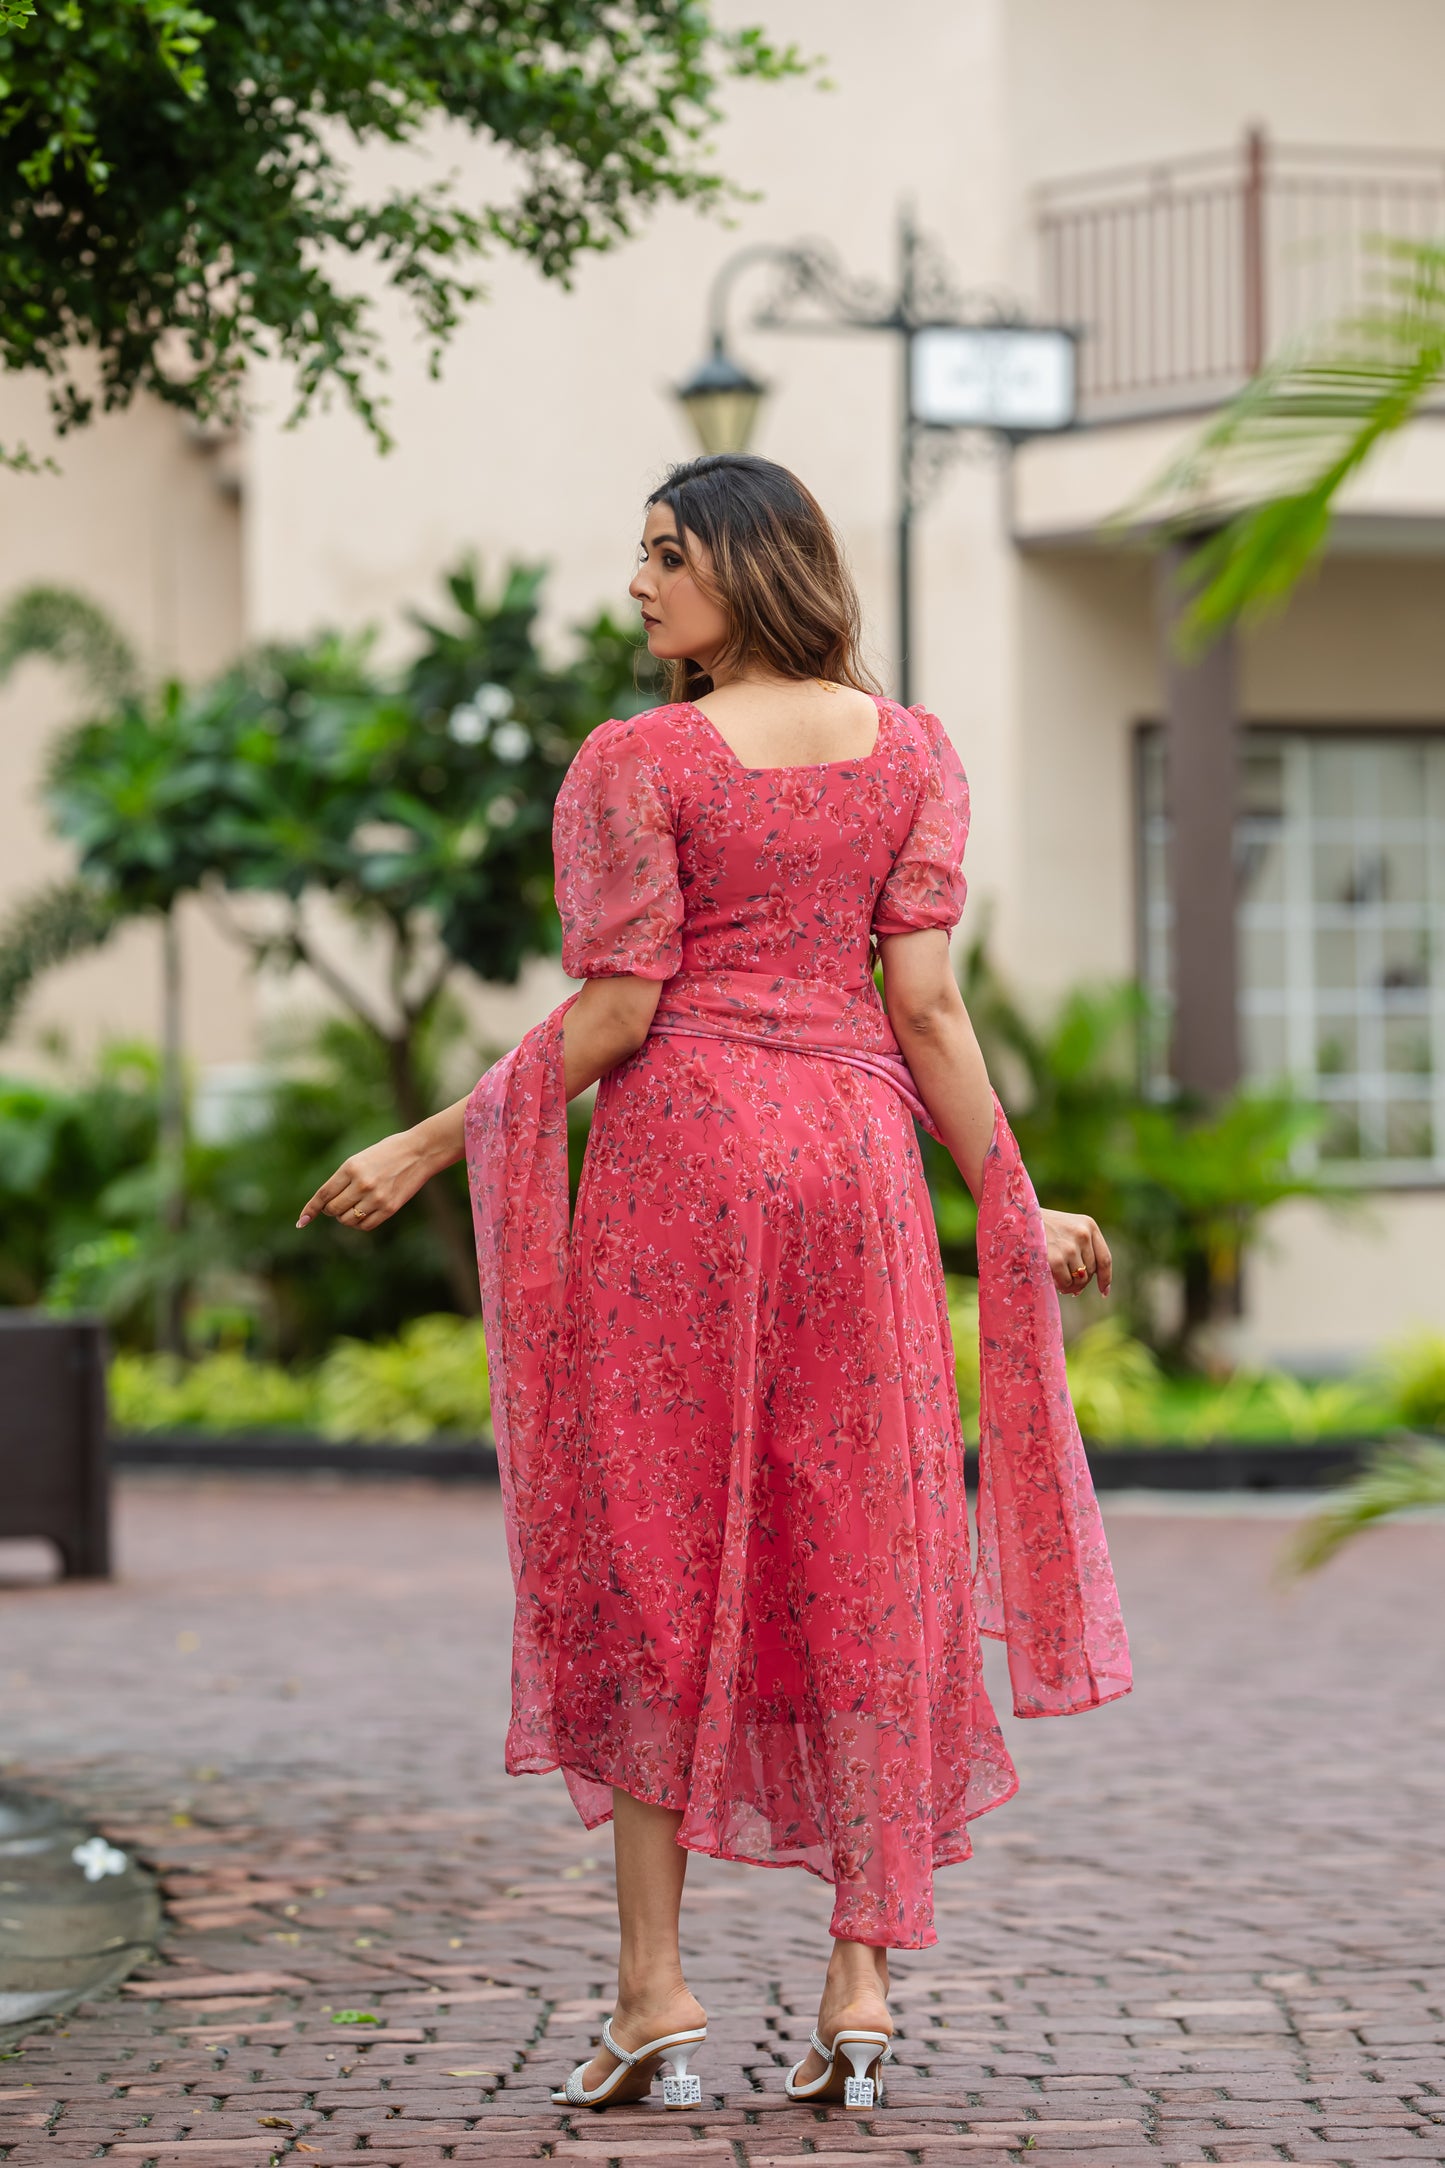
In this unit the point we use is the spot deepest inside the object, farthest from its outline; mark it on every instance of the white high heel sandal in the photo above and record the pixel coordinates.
(632, 2079)
(867, 2052)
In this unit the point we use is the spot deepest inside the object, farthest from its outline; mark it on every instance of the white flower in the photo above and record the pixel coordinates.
(492, 701)
(99, 1858)
(511, 741)
(469, 723)
(383, 838)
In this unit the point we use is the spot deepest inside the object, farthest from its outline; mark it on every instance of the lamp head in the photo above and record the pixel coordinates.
(721, 401)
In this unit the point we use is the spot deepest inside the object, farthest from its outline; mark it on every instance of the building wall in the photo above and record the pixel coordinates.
(1125, 80)
(139, 521)
(1362, 642)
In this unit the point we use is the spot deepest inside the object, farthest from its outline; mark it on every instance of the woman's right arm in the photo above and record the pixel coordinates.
(932, 1027)
(608, 1021)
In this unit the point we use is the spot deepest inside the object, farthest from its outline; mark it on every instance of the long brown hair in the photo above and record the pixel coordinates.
(777, 570)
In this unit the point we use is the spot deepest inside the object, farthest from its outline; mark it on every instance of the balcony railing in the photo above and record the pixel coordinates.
(1184, 276)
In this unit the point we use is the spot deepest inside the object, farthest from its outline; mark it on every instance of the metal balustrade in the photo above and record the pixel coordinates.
(1184, 275)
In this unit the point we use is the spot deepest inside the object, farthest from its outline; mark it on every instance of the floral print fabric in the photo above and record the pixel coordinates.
(725, 1405)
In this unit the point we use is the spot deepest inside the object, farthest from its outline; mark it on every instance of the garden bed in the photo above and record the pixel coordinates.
(444, 1458)
(1223, 1464)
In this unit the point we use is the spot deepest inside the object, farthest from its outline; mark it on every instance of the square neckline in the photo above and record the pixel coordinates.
(802, 767)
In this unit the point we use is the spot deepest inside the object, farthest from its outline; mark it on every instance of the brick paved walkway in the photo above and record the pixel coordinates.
(1209, 1929)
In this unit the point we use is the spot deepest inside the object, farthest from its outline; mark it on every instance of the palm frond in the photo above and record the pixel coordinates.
(1263, 478)
(73, 632)
(1397, 1479)
(67, 919)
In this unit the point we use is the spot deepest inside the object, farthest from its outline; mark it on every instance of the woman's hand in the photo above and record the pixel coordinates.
(1078, 1252)
(370, 1186)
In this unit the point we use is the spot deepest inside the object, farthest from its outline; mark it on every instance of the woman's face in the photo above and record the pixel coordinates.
(681, 620)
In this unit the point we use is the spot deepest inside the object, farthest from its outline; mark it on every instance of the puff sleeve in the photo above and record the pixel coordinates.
(925, 886)
(615, 855)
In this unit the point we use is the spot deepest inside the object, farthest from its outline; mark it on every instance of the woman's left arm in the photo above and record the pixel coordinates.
(606, 1023)
(932, 1027)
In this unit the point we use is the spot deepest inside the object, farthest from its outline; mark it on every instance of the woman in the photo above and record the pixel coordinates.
(724, 1400)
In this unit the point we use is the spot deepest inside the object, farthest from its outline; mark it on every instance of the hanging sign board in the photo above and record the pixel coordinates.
(1014, 377)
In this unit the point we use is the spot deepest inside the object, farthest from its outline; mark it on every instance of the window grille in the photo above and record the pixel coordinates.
(1340, 918)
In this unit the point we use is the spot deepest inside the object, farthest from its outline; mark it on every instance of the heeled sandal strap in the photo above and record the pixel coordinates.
(613, 2049)
(830, 2055)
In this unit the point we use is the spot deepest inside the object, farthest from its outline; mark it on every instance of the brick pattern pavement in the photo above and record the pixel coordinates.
(1207, 1931)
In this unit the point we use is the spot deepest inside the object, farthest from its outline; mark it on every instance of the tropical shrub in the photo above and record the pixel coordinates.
(963, 1322)
(432, 1377)
(70, 1156)
(225, 1391)
(1414, 1377)
(417, 799)
(1180, 1190)
(1114, 1381)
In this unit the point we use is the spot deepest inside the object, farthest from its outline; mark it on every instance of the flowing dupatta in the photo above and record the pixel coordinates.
(1042, 1581)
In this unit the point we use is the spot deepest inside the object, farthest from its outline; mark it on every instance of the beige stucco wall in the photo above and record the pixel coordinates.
(137, 519)
(1123, 80)
(1329, 1288)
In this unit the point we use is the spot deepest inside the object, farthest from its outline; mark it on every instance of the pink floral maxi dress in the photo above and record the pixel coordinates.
(724, 1400)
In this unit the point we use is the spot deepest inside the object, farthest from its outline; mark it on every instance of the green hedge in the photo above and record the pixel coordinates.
(1121, 1393)
(433, 1377)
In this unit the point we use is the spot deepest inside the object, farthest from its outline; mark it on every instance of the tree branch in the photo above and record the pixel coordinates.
(336, 980)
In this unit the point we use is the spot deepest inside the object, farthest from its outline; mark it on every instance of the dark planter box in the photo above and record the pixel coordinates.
(284, 1452)
(54, 1469)
(1264, 1464)
(1270, 1464)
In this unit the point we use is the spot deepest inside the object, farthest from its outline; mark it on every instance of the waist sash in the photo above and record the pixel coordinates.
(1042, 1580)
(792, 1016)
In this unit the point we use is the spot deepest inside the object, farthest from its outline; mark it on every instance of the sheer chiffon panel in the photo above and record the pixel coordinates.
(925, 886)
(1044, 1583)
(616, 860)
(769, 1617)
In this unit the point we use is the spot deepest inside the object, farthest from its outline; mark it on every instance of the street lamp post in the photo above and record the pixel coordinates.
(970, 362)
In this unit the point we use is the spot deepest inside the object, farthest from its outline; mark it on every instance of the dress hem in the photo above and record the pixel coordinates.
(925, 1941)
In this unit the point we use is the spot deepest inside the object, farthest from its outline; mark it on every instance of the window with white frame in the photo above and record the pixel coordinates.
(1340, 884)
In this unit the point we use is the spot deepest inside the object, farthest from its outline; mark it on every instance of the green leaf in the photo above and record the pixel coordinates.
(1266, 474)
(68, 919)
(1398, 1479)
(70, 630)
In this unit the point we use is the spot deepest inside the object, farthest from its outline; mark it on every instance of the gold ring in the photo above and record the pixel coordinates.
(358, 1211)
